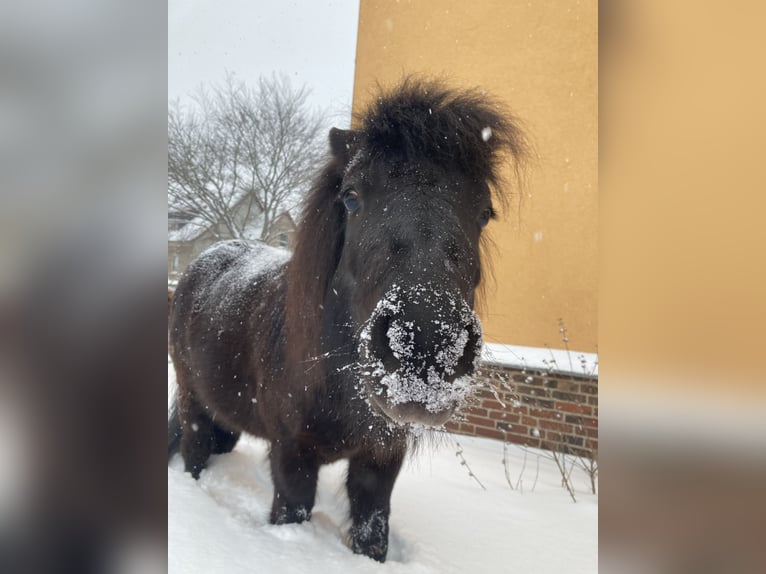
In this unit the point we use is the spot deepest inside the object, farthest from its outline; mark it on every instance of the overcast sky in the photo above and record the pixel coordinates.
(311, 41)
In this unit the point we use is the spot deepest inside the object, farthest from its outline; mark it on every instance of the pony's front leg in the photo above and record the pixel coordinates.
(294, 471)
(370, 483)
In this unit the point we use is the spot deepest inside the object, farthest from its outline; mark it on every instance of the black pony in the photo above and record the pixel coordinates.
(367, 332)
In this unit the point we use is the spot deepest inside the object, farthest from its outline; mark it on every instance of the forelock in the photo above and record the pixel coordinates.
(457, 128)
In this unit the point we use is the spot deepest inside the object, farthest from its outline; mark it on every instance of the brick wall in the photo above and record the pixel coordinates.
(535, 408)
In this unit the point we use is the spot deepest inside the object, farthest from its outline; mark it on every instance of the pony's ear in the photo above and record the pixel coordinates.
(341, 143)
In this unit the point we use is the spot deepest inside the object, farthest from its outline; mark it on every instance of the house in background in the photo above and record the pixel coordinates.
(188, 236)
(282, 232)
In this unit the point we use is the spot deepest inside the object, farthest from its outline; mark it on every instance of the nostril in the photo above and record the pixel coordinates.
(378, 334)
(380, 343)
(469, 360)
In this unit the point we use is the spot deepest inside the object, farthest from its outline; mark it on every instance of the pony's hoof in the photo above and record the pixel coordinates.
(370, 537)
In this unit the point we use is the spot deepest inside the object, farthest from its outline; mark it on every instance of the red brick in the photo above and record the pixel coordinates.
(521, 409)
(528, 421)
(568, 386)
(493, 404)
(544, 413)
(503, 426)
(527, 379)
(524, 391)
(551, 384)
(511, 399)
(573, 408)
(452, 425)
(589, 389)
(477, 411)
(506, 417)
(481, 421)
(552, 435)
(519, 432)
(569, 397)
(573, 440)
(590, 422)
(533, 401)
(593, 401)
(585, 431)
(525, 440)
(554, 425)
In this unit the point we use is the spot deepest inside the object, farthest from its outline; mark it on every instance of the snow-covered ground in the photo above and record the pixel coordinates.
(442, 521)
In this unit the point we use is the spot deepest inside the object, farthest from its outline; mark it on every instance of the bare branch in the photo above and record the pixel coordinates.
(464, 462)
(241, 152)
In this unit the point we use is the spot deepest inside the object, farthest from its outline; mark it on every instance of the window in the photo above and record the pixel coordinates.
(282, 239)
(174, 263)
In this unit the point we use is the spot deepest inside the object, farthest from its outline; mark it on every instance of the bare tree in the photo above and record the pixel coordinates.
(242, 152)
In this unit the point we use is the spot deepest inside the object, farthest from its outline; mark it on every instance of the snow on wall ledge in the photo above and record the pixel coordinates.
(539, 359)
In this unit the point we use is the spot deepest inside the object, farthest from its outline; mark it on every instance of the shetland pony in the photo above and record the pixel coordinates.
(368, 331)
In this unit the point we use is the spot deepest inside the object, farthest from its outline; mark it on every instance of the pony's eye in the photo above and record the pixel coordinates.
(484, 218)
(351, 200)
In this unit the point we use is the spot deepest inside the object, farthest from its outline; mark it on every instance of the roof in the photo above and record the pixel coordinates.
(189, 232)
(195, 228)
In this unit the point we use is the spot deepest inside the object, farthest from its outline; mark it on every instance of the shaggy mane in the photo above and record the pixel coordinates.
(425, 120)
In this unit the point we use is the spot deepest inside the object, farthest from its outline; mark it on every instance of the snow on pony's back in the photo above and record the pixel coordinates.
(244, 264)
(260, 258)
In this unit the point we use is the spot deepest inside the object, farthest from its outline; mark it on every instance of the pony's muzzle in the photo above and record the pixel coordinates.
(424, 345)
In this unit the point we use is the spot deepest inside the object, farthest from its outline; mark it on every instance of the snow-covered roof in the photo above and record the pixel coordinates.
(189, 232)
(197, 226)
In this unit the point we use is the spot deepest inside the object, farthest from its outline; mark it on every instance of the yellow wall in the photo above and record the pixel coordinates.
(541, 59)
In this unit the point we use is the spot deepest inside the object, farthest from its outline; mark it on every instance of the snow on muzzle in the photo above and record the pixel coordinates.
(419, 349)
